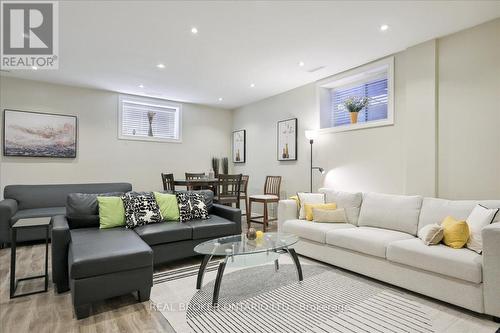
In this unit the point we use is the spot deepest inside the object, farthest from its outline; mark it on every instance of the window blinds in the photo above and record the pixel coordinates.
(136, 120)
(375, 90)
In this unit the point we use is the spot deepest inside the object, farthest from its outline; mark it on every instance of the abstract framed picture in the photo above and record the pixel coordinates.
(35, 134)
(287, 140)
(239, 146)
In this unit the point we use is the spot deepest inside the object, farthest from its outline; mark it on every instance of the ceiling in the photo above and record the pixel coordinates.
(116, 45)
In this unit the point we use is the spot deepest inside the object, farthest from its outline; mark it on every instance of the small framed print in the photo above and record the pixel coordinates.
(239, 146)
(287, 140)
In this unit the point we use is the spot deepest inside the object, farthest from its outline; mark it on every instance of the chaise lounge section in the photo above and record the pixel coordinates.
(380, 242)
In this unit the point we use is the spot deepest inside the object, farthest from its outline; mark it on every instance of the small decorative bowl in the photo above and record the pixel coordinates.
(251, 234)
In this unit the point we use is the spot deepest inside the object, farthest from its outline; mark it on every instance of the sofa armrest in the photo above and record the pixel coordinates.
(287, 210)
(491, 269)
(8, 208)
(61, 237)
(229, 213)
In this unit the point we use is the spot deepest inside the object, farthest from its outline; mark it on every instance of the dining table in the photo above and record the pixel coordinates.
(208, 182)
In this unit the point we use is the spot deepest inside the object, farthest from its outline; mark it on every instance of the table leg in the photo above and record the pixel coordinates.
(13, 241)
(47, 258)
(295, 259)
(201, 271)
(276, 265)
(218, 281)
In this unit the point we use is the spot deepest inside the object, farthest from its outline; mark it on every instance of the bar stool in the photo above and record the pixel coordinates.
(271, 195)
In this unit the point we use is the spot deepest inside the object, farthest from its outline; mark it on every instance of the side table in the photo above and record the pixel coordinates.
(38, 222)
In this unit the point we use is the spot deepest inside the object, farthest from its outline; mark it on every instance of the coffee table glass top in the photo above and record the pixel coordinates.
(240, 245)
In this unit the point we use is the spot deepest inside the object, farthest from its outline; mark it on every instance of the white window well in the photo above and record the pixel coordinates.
(369, 89)
(149, 119)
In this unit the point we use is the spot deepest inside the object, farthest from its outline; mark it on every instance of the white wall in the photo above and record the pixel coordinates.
(372, 159)
(101, 157)
(469, 113)
(423, 152)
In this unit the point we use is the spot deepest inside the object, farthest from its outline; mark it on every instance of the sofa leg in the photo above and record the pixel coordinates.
(82, 311)
(143, 294)
(61, 287)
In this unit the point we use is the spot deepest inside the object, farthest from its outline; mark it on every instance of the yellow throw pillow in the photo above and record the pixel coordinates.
(308, 208)
(455, 232)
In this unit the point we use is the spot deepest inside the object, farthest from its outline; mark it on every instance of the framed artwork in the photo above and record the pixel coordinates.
(287, 140)
(239, 146)
(35, 134)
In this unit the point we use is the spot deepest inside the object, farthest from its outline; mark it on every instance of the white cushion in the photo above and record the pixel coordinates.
(388, 211)
(435, 210)
(309, 198)
(372, 241)
(264, 196)
(462, 263)
(479, 218)
(350, 201)
(312, 231)
(431, 234)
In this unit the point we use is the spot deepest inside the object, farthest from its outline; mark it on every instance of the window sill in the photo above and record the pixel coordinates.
(153, 139)
(358, 126)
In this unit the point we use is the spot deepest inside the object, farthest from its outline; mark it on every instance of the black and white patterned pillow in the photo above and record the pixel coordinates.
(140, 208)
(191, 206)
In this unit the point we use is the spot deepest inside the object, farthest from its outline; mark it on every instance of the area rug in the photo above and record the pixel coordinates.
(260, 299)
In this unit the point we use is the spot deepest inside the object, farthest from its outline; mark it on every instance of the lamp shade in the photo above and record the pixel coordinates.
(311, 134)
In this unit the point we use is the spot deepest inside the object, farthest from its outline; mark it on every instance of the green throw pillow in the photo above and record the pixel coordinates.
(111, 212)
(168, 206)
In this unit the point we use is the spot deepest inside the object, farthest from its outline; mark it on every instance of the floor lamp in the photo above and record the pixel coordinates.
(311, 135)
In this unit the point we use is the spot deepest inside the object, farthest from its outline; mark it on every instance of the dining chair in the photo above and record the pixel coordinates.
(194, 176)
(168, 182)
(271, 195)
(229, 190)
(244, 191)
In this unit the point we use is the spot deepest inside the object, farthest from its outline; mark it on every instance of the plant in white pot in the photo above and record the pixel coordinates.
(354, 104)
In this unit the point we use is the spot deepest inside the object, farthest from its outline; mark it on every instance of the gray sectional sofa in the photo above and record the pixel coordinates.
(24, 201)
(100, 263)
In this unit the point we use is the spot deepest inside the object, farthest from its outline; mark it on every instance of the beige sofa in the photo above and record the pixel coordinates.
(380, 242)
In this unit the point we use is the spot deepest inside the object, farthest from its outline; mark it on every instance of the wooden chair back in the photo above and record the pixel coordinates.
(228, 189)
(191, 176)
(168, 182)
(244, 185)
(272, 185)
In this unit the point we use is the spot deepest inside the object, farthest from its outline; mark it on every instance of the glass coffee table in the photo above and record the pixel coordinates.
(268, 247)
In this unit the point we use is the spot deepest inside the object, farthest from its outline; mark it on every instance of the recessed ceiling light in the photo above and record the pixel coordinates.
(252, 85)
(34, 68)
(141, 86)
(301, 64)
(194, 30)
(160, 66)
(384, 27)
(220, 99)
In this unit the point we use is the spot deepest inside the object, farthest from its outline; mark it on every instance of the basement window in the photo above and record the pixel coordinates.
(149, 119)
(372, 83)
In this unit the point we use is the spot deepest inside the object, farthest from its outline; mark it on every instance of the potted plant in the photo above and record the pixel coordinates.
(354, 104)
